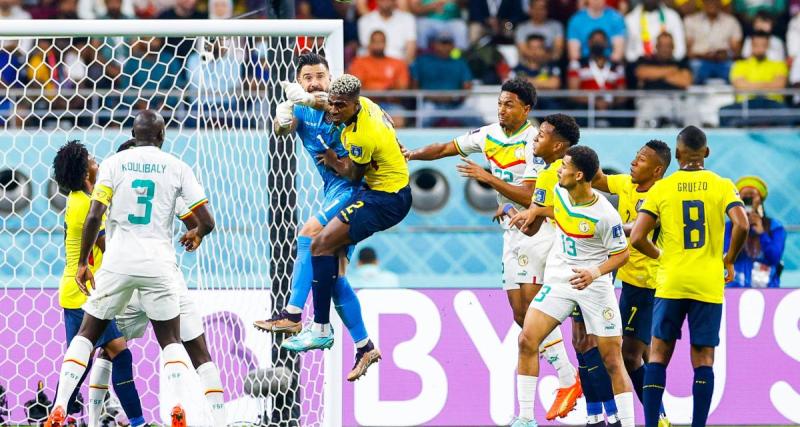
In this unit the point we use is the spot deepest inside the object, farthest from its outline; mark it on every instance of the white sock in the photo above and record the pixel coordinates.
(594, 419)
(526, 395)
(321, 329)
(362, 343)
(75, 361)
(209, 376)
(98, 387)
(624, 403)
(176, 370)
(293, 310)
(556, 355)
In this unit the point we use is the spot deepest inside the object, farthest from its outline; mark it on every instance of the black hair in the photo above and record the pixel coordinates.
(126, 145)
(666, 34)
(71, 165)
(565, 127)
(367, 255)
(760, 35)
(662, 151)
(585, 160)
(522, 88)
(310, 58)
(536, 36)
(372, 34)
(693, 138)
(764, 15)
(598, 31)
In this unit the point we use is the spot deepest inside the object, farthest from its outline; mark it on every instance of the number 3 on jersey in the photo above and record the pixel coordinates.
(145, 199)
(694, 224)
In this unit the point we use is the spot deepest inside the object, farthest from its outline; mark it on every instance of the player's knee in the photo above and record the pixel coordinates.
(321, 245)
(527, 345)
(631, 359)
(311, 228)
(579, 342)
(612, 362)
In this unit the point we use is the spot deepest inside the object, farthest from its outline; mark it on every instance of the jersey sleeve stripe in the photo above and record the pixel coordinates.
(184, 216)
(734, 204)
(458, 148)
(653, 214)
(619, 251)
(197, 204)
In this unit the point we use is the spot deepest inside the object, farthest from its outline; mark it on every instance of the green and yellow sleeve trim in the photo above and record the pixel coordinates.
(196, 205)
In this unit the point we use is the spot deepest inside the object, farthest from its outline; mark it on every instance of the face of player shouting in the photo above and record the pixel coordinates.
(568, 174)
(511, 112)
(314, 78)
(644, 166)
(341, 108)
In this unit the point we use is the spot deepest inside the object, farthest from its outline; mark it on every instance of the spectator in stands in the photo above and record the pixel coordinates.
(369, 274)
(793, 38)
(327, 9)
(379, 72)
(713, 40)
(756, 73)
(645, 23)
(208, 67)
(44, 9)
(12, 76)
(497, 18)
(437, 15)
(400, 28)
(94, 9)
(149, 58)
(220, 9)
(67, 9)
(661, 72)
(487, 64)
(438, 70)
(597, 73)
(759, 264)
(10, 9)
(551, 30)
(689, 7)
(364, 7)
(764, 22)
(535, 66)
(596, 16)
(746, 10)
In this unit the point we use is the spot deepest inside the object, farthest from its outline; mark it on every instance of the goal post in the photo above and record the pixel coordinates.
(217, 83)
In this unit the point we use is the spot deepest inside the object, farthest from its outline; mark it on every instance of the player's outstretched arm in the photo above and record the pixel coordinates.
(645, 223)
(205, 224)
(518, 193)
(600, 181)
(739, 228)
(585, 276)
(91, 228)
(433, 151)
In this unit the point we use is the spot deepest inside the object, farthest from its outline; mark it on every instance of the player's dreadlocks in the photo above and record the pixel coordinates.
(347, 85)
(71, 166)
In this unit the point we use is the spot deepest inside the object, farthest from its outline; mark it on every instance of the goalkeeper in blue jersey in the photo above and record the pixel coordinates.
(304, 112)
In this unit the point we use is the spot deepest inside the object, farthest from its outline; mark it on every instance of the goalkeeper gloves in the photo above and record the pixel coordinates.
(297, 95)
(284, 114)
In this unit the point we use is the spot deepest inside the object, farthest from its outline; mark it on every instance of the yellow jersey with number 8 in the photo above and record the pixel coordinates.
(692, 206)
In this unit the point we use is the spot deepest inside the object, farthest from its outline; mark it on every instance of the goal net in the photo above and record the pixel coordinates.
(216, 83)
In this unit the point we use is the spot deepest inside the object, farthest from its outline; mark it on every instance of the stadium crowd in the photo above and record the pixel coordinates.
(590, 45)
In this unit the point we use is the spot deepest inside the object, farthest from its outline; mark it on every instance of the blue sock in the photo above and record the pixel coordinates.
(702, 389)
(326, 271)
(600, 379)
(637, 378)
(125, 387)
(655, 380)
(593, 405)
(349, 309)
(301, 273)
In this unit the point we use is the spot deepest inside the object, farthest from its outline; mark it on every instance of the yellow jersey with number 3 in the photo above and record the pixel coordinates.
(69, 295)
(640, 270)
(371, 140)
(692, 206)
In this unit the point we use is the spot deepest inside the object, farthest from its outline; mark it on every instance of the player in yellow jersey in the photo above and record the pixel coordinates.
(638, 274)
(384, 199)
(691, 205)
(75, 170)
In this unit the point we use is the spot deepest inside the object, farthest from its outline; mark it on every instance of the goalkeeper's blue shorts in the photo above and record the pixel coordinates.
(331, 206)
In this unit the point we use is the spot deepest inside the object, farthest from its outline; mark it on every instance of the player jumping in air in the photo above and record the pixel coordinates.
(638, 275)
(382, 202)
(590, 243)
(138, 188)
(557, 133)
(691, 204)
(508, 146)
(305, 112)
(75, 170)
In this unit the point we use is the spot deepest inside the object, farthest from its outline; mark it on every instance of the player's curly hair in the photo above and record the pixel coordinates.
(347, 85)
(524, 90)
(662, 151)
(71, 165)
(566, 127)
(585, 160)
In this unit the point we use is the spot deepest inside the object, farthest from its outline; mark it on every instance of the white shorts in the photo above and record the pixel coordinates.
(597, 302)
(524, 256)
(133, 321)
(158, 295)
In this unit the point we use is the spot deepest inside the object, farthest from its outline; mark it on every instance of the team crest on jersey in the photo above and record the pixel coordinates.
(356, 150)
(538, 195)
(538, 161)
(583, 226)
(608, 313)
(522, 260)
(616, 231)
(520, 152)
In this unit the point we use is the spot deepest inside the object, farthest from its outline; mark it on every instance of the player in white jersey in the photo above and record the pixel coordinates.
(590, 243)
(139, 188)
(508, 147)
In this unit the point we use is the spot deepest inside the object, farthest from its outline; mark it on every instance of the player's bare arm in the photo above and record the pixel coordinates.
(600, 181)
(739, 230)
(585, 276)
(205, 224)
(91, 228)
(529, 221)
(518, 193)
(343, 166)
(433, 151)
(644, 224)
